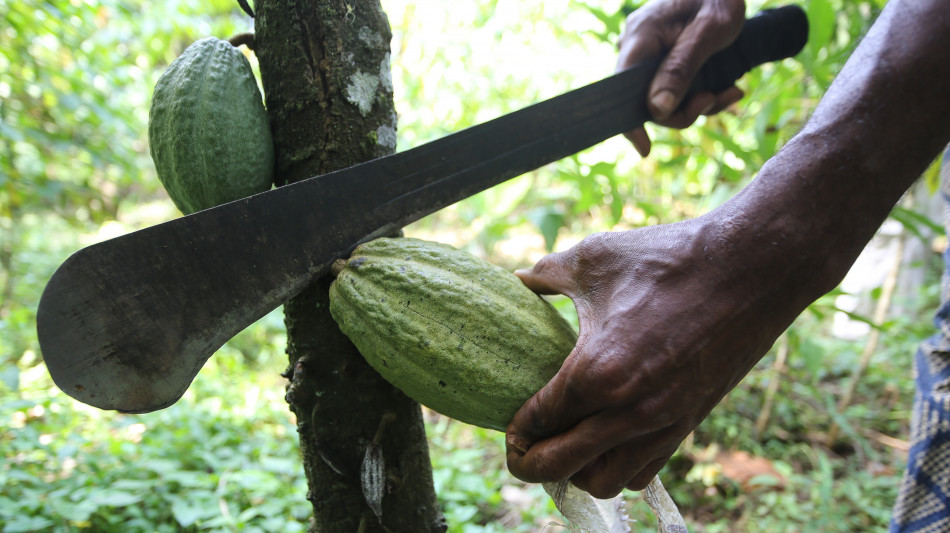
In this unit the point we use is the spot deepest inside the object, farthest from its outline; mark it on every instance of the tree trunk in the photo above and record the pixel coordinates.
(326, 77)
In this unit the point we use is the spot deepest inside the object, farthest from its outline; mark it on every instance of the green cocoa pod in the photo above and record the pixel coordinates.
(207, 128)
(456, 333)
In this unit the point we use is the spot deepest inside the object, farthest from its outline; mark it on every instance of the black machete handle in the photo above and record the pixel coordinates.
(770, 35)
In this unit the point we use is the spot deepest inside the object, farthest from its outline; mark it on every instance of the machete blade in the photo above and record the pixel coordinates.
(127, 323)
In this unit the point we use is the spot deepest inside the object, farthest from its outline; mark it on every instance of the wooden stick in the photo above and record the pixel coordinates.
(668, 517)
(880, 314)
(778, 371)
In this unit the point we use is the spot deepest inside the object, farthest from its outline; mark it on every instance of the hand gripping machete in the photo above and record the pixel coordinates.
(127, 323)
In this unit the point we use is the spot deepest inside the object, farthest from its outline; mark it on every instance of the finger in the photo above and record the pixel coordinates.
(552, 274)
(703, 103)
(651, 30)
(642, 479)
(627, 464)
(550, 411)
(640, 140)
(608, 475)
(697, 105)
(676, 72)
(725, 99)
(582, 479)
(560, 457)
(641, 41)
(600, 477)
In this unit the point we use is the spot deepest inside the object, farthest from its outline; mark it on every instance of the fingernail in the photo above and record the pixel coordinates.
(642, 150)
(663, 102)
(523, 272)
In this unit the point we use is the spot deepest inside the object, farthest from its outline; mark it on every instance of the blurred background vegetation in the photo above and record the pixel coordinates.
(814, 439)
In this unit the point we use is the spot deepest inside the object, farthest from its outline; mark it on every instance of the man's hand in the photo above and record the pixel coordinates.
(689, 32)
(672, 317)
(668, 325)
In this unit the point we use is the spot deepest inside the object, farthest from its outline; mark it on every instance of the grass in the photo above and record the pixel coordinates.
(225, 457)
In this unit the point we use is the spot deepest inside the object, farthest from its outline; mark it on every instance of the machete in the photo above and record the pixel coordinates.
(127, 323)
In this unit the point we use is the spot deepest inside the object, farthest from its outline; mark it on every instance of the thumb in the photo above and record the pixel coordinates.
(552, 274)
(695, 46)
(673, 79)
(546, 439)
(553, 408)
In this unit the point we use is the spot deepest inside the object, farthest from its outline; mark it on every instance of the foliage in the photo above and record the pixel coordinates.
(850, 486)
(607, 187)
(475, 490)
(222, 459)
(74, 170)
(73, 148)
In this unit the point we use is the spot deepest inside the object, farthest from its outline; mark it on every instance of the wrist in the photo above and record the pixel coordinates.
(777, 247)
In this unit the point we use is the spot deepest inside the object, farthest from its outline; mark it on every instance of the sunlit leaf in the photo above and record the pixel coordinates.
(916, 223)
(549, 222)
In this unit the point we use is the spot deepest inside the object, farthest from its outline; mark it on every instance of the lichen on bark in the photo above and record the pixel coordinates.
(325, 66)
(325, 70)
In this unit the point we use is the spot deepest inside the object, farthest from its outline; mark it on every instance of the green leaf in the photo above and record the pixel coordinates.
(812, 355)
(74, 511)
(114, 498)
(821, 20)
(192, 507)
(27, 524)
(931, 176)
(749, 157)
(916, 222)
(10, 377)
(549, 221)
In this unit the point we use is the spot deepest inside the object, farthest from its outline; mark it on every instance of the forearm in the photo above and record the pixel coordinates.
(673, 316)
(885, 118)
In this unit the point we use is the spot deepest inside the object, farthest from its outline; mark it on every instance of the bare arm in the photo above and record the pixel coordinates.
(673, 317)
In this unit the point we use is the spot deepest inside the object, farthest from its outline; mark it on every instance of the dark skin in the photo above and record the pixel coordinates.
(672, 317)
(688, 32)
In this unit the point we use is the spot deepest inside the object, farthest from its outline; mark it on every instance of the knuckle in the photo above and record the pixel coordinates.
(534, 420)
(596, 382)
(677, 67)
(543, 413)
(722, 23)
(592, 251)
(736, 14)
(608, 378)
(638, 18)
(594, 243)
(542, 422)
(546, 262)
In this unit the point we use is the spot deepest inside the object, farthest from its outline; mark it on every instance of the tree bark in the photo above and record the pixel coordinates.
(326, 76)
